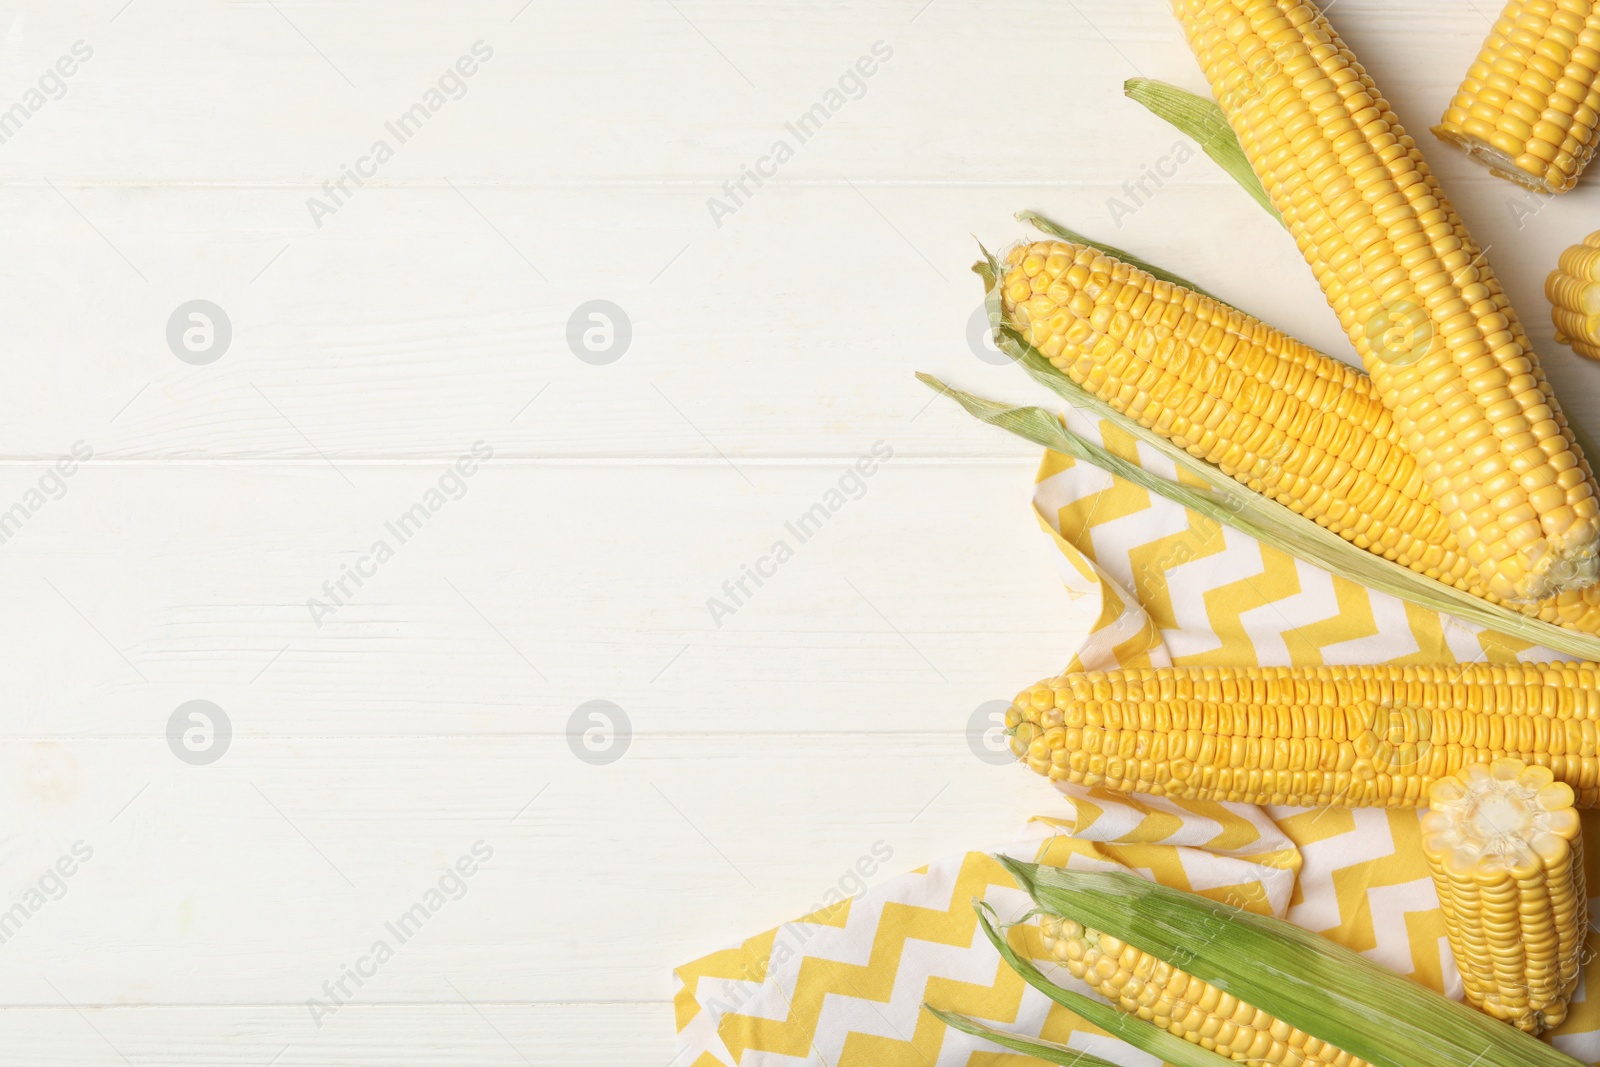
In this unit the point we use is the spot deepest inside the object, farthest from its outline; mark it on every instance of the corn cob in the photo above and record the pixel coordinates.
(1574, 292)
(1529, 108)
(1157, 992)
(1282, 418)
(1300, 980)
(1412, 290)
(1309, 736)
(1506, 851)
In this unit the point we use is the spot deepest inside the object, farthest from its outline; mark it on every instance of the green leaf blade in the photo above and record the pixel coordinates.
(1049, 1051)
(1202, 121)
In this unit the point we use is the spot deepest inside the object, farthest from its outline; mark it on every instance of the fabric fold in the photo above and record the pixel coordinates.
(1154, 585)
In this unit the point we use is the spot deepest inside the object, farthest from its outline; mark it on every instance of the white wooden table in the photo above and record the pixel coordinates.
(380, 334)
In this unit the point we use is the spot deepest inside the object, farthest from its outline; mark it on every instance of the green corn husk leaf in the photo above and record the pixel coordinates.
(1231, 503)
(1294, 975)
(1203, 121)
(1144, 1036)
(1048, 1051)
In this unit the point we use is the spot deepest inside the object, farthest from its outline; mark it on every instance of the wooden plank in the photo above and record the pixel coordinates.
(455, 1034)
(260, 876)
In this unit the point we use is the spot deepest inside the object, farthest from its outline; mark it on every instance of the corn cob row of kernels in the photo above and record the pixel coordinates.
(1529, 107)
(1411, 288)
(1283, 419)
(1298, 426)
(1505, 848)
(1183, 1005)
(1375, 736)
(1574, 292)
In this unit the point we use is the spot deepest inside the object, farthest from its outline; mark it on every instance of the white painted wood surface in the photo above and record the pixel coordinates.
(429, 312)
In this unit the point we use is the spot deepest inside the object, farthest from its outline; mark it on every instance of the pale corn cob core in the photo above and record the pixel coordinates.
(1506, 851)
(1309, 736)
(1157, 992)
(1412, 290)
(1293, 424)
(1529, 108)
(1574, 292)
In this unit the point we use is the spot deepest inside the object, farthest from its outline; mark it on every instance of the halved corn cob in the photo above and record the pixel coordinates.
(1574, 292)
(1300, 427)
(1506, 851)
(1197, 1011)
(1309, 736)
(1411, 289)
(1529, 108)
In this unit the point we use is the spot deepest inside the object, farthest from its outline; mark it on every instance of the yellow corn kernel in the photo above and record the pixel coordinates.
(1194, 1010)
(1300, 427)
(1574, 292)
(1376, 736)
(1411, 288)
(1506, 851)
(1527, 108)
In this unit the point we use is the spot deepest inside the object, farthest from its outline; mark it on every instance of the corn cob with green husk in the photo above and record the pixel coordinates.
(1412, 289)
(1313, 736)
(1192, 981)
(1506, 851)
(1282, 418)
(1529, 107)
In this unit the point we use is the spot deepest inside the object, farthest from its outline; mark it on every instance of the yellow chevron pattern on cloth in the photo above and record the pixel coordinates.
(1156, 585)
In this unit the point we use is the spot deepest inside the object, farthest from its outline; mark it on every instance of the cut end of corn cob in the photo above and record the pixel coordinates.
(1505, 847)
(1523, 169)
(1373, 736)
(1385, 244)
(1197, 1011)
(1574, 292)
(1503, 818)
(1527, 108)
